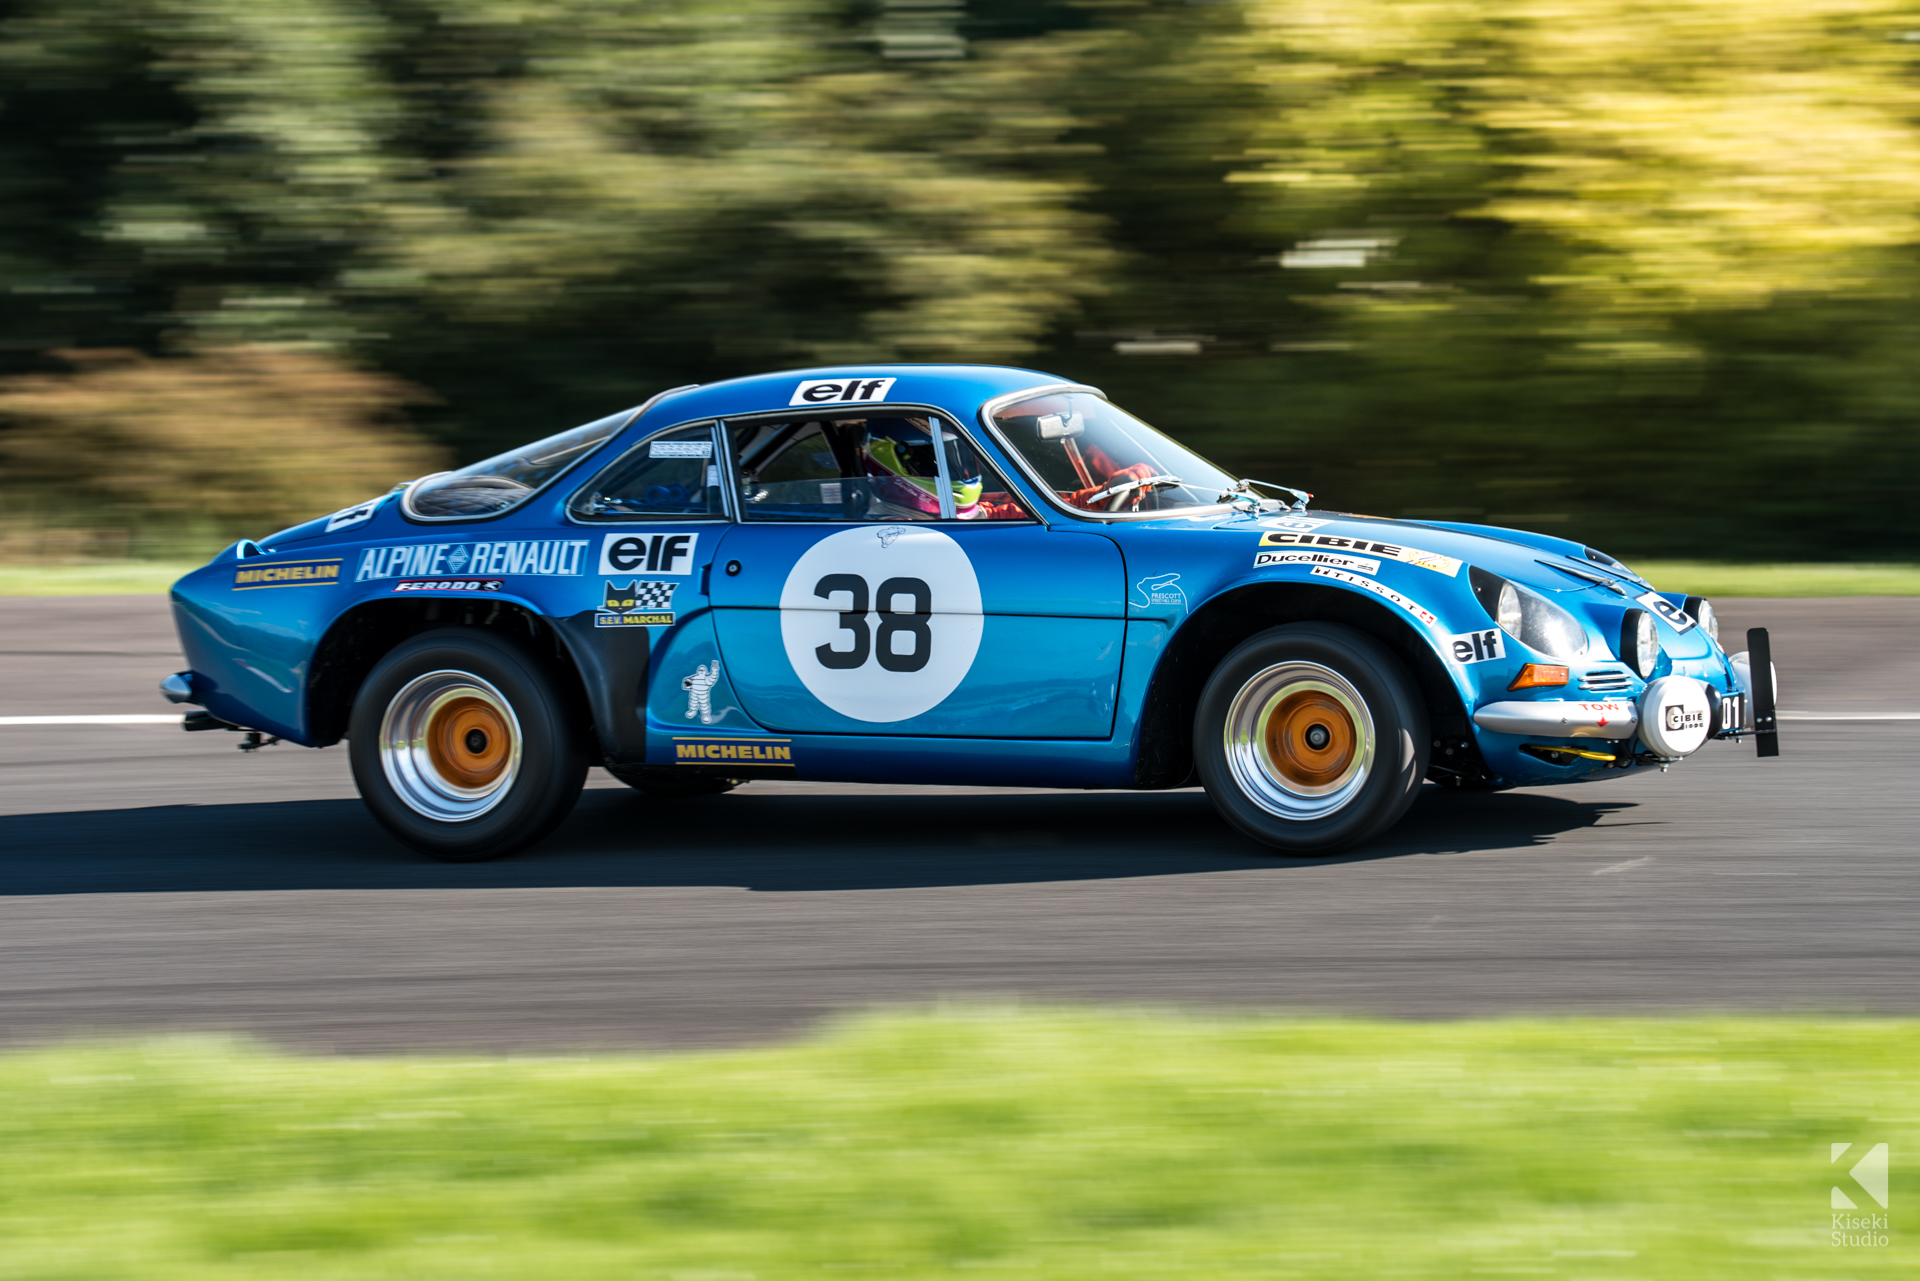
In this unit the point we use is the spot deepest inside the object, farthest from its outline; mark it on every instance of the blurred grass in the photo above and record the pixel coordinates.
(1044, 1144)
(1714, 578)
(92, 578)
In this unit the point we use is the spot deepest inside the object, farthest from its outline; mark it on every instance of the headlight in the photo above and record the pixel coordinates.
(1702, 610)
(1639, 642)
(1532, 620)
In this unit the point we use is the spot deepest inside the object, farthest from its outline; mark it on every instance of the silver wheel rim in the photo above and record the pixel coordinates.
(1275, 753)
(425, 746)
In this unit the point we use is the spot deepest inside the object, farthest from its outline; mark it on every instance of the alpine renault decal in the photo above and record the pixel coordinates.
(548, 557)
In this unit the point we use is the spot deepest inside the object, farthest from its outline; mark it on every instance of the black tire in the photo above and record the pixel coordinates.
(660, 780)
(1299, 779)
(423, 703)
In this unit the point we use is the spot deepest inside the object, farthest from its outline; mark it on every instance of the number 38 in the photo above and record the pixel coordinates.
(916, 622)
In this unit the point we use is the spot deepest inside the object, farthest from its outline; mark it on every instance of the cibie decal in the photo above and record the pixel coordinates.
(882, 628)
(1477, 647)
(287, 573)
(1160, 591)
(1678, 717)
(1406, 555)
(648, 553)
(1672, 614)
(1298, 524)
(354, 515)
(449, 585)
(638, 604)
(742, 751)
(699, 687)
(549, 557)
(1378, 589)
(1357, 564)
(833, 391)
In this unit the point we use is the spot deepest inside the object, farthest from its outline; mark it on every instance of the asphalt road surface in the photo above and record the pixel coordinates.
(152, 880)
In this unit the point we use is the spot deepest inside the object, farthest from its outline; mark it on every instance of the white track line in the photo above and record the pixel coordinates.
(123, 719)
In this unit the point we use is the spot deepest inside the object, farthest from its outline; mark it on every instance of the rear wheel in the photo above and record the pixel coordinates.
(1311, 738)
(464, 746)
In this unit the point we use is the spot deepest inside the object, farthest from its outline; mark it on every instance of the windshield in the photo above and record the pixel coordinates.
(509, 479)
(1098, 458)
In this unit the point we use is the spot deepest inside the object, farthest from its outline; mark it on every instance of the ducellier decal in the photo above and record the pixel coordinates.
(288, 573)
(1405, 555)
(1357, 564)
(547, 557)
(736, 751)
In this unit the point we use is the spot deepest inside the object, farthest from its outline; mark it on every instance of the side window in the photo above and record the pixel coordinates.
(872, 467)
(670, 475)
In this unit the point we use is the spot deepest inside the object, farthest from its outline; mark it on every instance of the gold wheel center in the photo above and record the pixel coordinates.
(1310, 738)
(468, 742)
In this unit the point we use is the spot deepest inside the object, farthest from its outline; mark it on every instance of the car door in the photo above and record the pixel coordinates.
(856, 595)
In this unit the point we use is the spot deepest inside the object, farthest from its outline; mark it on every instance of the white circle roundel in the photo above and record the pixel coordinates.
(882, 622)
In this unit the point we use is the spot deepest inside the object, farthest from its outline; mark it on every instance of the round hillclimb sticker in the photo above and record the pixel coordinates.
(881, 623)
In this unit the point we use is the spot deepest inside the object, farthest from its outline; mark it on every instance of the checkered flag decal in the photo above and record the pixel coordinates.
(653, 596)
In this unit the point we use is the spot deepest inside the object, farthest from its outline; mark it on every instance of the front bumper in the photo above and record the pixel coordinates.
(1609, 720)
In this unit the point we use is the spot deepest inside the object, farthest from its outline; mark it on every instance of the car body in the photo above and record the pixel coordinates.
(895, 574)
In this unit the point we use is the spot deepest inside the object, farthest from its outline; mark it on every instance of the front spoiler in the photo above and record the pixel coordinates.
(1561, 720)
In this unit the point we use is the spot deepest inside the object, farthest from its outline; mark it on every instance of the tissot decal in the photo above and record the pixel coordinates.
(1406, 555)
(548, 557)
(1418, 611)
(648, 553)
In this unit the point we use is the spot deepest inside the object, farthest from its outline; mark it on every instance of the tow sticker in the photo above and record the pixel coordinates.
(1378, 589)
(1405, 555)
(881, 624)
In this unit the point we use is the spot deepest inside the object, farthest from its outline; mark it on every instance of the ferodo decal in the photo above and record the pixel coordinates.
(733, 750)
(882, 624)
(1159, 591)
(287, 573)
(548, 557)
(833, 391)
(357, 514)
(1357, 564)
(638, 604)
(1477, 647)
(1405, 555)
(648, 553)
(1674, 616)
(1378, 589)
(449, 585)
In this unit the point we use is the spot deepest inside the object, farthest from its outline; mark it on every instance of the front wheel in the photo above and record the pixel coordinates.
(1311, 737)
(464, 746)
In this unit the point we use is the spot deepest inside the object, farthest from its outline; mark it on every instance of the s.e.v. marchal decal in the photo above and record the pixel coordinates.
(638, 604)
(1405, 555)
(548, 557)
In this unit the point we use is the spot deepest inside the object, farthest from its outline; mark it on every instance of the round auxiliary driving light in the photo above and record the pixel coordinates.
(1702, 610)
(1639, 642)
(1507, 613)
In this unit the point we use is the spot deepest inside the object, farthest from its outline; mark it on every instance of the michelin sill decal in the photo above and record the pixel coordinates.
(288, 573)
(638, 604)
(1406, 555)
(741, 751)
(1424, 615)
(648, 553)
(1358, 564)
(1159, 591)
(549, 557)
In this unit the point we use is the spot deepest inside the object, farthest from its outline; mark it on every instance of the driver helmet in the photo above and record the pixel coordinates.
(897, 456)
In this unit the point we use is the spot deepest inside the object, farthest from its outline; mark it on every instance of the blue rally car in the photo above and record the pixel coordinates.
(932, 574)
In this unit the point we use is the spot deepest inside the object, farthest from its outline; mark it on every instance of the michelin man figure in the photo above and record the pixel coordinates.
(699, 687)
